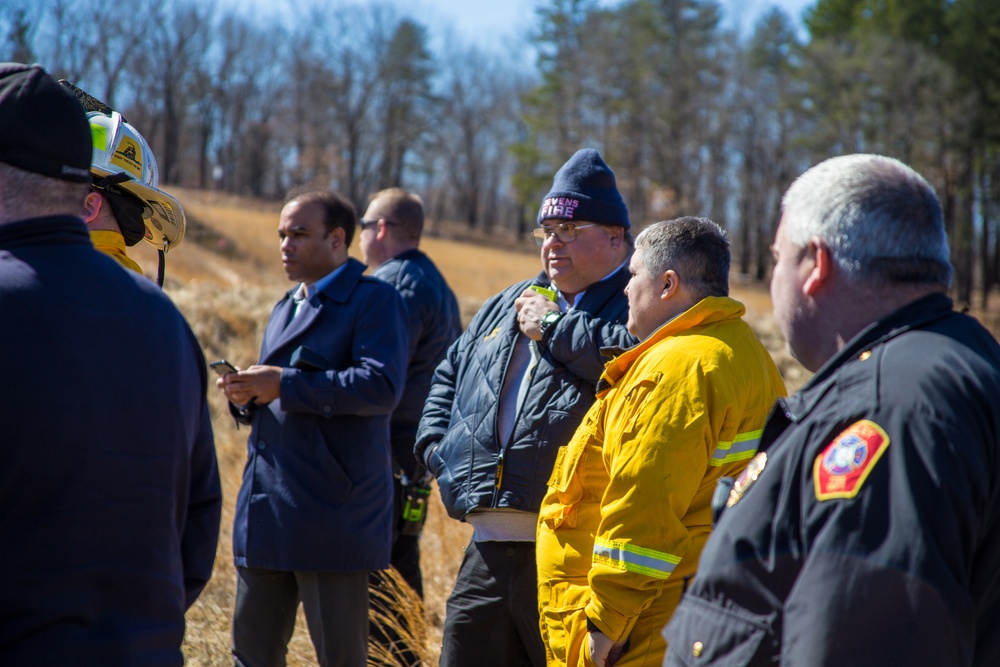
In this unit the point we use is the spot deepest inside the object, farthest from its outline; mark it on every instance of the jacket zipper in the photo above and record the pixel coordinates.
(498, 474)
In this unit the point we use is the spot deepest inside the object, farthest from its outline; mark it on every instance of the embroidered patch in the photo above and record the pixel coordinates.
(844, 464)
(747, 478)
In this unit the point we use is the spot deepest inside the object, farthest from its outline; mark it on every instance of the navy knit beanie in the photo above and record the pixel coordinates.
(585, 189)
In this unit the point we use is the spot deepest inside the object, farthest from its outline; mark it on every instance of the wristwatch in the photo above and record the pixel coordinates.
(548, 319)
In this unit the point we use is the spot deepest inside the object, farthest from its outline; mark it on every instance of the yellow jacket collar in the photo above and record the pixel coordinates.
(708, 311)
(112, 244)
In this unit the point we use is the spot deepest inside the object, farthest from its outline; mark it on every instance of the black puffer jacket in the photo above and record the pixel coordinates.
(458, 437)
(433, 323)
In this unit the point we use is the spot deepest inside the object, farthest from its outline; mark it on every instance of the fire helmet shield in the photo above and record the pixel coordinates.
(122, 153)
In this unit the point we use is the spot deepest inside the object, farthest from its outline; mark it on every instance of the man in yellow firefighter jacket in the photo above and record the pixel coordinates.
(628, 507)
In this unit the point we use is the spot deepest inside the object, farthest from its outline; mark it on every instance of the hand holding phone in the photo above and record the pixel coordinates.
(223, 367)
(547, 292)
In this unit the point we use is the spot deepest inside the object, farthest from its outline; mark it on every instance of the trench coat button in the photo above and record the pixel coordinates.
(327, 409)
(261, 446)
(697, 649)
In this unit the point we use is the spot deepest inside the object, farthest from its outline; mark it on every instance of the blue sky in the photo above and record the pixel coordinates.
(498, 26)
(486, 23)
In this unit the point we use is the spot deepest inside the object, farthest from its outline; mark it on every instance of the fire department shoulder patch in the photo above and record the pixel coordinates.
(844, 464)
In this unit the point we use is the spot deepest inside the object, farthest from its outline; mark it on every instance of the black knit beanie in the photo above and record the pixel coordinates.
(585, 189)
(42, 127)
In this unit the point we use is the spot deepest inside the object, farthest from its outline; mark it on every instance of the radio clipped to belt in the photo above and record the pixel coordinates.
(415, 496)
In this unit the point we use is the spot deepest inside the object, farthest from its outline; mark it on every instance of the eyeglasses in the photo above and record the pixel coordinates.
(365, 224)
(565, 232)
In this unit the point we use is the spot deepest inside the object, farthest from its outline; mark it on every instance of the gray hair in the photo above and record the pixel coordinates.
(695, 248)
(880, 218)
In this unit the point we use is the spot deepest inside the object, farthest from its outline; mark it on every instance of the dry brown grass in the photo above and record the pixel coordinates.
(225, 277)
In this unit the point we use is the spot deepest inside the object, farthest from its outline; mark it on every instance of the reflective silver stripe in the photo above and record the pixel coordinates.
(742, 448)
(631, 558)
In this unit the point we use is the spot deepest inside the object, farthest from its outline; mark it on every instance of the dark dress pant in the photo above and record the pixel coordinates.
(492, 613)
(336, 611)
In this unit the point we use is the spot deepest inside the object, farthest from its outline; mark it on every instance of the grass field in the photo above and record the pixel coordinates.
(227, 275)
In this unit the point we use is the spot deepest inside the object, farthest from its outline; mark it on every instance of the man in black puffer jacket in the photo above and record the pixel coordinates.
(510, 392)
(390, 235)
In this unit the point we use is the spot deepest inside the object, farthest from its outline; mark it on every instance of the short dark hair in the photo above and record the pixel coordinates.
(697, 249)
(338, 212)
(403, 208)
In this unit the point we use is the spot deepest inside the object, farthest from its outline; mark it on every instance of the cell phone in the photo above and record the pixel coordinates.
(223, 367)
(307, 359)
(547, 292)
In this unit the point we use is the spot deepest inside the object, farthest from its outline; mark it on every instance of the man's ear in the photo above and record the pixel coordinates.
(617, 238)
(92, 205)
(337, 237)
(382, 230)
(822, 269)
(671, 283)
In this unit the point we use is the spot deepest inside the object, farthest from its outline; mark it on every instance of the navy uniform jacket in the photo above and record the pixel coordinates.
(317, 487)
(433, 324)
(872, 534)
(109, 491)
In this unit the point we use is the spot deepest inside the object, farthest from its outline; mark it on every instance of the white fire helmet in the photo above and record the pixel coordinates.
(120, 149)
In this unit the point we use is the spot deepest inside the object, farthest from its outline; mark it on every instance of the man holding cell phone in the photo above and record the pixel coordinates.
(509, 393)
(314, 512)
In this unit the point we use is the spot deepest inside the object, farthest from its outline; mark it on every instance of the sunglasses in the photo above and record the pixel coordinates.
(565, 232)
(365, 224)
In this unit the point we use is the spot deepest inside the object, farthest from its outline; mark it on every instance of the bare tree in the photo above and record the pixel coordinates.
(692, 119)
(19, 21)
(478, 115)
(245, 95)
(65, 42)
(337, 85)
(769, 118)
(404, 82)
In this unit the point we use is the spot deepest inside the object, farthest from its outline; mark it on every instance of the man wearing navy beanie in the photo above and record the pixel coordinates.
(585, 189)
(510, 393)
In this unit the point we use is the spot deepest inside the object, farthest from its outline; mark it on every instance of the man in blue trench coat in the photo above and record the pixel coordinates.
(314, 512)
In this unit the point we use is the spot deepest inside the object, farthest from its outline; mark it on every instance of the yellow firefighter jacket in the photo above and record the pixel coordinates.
(628, 507)
(112, 244)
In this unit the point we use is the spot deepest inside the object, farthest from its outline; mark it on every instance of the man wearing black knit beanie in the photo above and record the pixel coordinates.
(109, 485)
(510, 392)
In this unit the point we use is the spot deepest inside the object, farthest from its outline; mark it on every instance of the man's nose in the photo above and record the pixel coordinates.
(551, 240)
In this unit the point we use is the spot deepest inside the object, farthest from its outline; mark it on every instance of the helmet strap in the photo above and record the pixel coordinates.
(161, 269)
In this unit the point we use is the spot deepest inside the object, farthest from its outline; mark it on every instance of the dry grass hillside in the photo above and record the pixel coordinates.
(227, 275)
